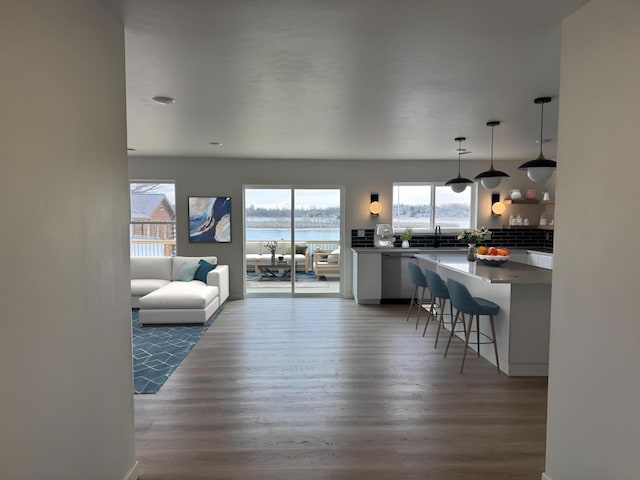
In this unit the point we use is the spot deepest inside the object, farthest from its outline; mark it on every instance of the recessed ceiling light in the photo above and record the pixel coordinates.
(215, 144)
(130, 149)
(164, 100)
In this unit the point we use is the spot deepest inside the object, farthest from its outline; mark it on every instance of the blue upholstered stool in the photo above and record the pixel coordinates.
(420, 282)
(464, 303)
(440, 293)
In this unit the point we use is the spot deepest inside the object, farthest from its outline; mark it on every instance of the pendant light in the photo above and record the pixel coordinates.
(459, 184)
(492, 177)
(540, 169)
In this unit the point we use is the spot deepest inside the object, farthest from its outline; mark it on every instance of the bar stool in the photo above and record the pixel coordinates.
(439, 292)
(420, 281)
(474, 306)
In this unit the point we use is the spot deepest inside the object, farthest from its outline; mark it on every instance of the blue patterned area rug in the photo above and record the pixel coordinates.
(300, 277)
(159, 349)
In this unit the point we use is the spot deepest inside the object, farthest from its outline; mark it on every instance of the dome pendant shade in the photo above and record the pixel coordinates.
(539, 170)
(459, 184)
(490, 182)
(491, 178)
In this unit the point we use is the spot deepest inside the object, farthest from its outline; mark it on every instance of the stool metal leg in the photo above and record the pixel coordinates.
(451, 313)
(495, 342)
(413, 299)
(429, 316)
(453, 328)
(442, 302)
(478, 332)
(420, 307)
(467, 334)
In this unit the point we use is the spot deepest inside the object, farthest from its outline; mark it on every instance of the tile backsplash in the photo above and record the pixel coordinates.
(525, 238)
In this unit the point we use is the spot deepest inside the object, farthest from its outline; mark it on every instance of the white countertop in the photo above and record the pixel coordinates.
(510, 272)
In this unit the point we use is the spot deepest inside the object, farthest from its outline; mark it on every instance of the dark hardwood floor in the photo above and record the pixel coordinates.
(327, 389)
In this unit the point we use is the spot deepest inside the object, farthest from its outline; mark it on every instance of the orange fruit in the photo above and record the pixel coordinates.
(482, 250)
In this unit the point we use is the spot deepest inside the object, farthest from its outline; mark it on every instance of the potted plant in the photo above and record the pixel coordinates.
(473, 237)
(272, 246)
(405, 237)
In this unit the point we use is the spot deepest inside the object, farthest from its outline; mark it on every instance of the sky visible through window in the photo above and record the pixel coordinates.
(281, 198)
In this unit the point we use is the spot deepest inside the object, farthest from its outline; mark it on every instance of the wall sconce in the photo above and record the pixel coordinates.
(497, 207)
(375, 207)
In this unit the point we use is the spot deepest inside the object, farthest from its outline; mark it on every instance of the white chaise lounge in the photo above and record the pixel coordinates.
(162, 298)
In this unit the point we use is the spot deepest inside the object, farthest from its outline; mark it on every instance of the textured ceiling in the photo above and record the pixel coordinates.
(342, 79)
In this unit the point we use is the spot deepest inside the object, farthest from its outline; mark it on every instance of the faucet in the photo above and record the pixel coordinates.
(438, 234)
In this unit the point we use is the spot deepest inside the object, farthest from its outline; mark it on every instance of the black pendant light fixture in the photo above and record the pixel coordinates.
(459, 183)
(492, 177)
(540, 169)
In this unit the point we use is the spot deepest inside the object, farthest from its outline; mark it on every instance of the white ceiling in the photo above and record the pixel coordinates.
(342, 79)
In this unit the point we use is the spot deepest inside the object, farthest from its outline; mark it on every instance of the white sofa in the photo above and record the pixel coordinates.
(257, 253)
(163, 299)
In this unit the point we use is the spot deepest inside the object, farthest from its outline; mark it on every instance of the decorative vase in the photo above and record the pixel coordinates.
(471, 253)
(405, 244)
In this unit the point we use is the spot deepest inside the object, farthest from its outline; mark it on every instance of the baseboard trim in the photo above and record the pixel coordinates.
(529, 370)
(545, 476)
(133, 473)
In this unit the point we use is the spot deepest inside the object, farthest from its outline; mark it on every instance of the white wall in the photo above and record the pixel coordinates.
(594, 392)
(65, 347)
(215, 176)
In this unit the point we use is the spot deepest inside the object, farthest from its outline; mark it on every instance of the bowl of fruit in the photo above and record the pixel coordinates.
(492, 256)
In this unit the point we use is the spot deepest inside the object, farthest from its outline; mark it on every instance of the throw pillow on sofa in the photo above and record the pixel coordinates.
(300, 250)
(187, 271)
(204, 268)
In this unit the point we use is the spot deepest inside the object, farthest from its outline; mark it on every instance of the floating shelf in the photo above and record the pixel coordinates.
(525, 201)
(527, 227)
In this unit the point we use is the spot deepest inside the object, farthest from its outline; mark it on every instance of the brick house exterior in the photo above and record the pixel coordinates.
(153, 217)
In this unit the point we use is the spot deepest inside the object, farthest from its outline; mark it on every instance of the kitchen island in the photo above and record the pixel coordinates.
(524, 295)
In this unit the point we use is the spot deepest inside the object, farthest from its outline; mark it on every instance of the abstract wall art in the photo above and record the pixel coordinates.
(210, 219)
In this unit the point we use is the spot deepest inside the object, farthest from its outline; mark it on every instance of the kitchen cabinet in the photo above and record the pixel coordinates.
(540, 259)
(396, 280)
(367, 285)
(533, 258)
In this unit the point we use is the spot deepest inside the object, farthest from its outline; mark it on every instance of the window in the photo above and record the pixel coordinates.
(152, 231)
(422, 206)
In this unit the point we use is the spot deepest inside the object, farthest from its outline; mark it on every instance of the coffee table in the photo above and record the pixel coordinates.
(278, 271)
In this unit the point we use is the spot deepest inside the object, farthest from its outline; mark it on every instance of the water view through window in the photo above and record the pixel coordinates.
(422, 206)
(275, 216)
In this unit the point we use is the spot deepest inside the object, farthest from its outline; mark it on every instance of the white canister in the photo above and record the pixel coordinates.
(543, 219)
(515, 194)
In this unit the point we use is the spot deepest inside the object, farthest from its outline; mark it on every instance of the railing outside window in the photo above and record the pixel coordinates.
(152, 239)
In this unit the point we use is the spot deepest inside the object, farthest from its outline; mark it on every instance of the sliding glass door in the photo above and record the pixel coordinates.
(292, 240)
